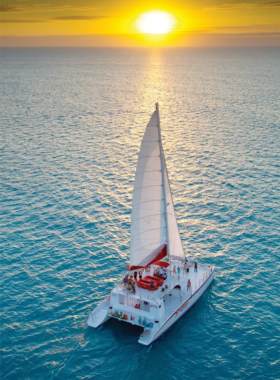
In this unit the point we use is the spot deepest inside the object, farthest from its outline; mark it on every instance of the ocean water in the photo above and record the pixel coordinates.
(71, 128)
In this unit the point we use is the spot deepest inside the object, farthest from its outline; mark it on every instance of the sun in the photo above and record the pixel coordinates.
(155, 22)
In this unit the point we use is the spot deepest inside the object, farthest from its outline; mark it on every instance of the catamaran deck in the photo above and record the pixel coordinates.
(173, 292)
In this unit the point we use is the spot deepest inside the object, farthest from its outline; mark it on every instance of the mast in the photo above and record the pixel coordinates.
(163, 181)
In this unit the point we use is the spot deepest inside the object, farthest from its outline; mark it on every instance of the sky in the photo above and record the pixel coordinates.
(113, 23)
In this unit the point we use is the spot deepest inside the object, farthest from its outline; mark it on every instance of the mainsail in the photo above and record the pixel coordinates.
(153, 220)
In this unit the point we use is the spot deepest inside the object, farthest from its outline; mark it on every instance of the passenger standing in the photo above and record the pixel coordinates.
(195, 266)
(178, 271)
(125, 281)
(135, 276)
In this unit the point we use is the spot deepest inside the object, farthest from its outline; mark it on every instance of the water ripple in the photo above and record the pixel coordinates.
(71, 125)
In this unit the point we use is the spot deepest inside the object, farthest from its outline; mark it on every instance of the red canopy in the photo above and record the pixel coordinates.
(162, 264)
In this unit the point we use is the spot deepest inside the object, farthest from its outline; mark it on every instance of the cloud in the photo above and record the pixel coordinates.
(238, 30)
(20, 21)
(76, 18)
(229, 6)
(10, 8)
(272, 4)
(58, 18)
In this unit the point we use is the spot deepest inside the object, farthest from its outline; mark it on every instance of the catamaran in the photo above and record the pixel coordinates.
(161, 283)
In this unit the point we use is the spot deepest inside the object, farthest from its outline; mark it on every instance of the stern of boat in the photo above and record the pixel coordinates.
(100, 314)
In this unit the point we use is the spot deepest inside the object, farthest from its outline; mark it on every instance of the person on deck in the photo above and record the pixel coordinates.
(152, 284)
(130, 282)
(135, 276)
(125, 281)
(178, 271)
(195, 266)
(188, 285)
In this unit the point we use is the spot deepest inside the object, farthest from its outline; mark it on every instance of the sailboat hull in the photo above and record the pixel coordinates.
(100, 314)
(184, 307)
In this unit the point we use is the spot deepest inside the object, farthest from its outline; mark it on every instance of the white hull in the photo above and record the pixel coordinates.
(100, 314)
(172, 309)
(186, 305)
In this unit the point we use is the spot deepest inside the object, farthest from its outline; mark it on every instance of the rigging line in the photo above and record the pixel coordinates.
(149, 171)
(146, 209)
(143, 187)
(151, 142)
(147, 156)
(144, 247)
(146, 216)
(157, 206)
(149, 200)
(146, 166)
(150, 135)
(144, 232)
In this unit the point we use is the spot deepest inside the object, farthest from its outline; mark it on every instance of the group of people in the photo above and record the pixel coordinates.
(161, 272)
(129, 283)
(185, 268)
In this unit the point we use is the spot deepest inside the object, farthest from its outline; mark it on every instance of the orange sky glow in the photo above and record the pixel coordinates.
(110, 23)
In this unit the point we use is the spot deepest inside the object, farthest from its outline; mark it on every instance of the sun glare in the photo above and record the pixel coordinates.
(155, 22)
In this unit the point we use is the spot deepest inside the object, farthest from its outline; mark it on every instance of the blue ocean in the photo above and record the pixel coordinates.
(72, 121)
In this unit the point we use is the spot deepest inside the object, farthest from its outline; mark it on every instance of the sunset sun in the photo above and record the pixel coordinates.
(155, 22)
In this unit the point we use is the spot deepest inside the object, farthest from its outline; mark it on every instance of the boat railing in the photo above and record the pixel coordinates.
(119, 286)
(171, 281)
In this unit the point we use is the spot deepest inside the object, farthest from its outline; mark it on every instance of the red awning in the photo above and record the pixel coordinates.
(162, 264)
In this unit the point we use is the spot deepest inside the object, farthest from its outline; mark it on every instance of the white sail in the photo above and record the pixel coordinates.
(175, 243)
(149, 229)
(148, 226)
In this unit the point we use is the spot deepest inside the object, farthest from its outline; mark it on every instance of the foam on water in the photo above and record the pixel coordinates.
(71, 125)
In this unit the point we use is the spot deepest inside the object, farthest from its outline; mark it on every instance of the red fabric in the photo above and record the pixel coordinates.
(159, 256)
(146, 280)
(147, 285)
(162, 264)
(159, 280)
